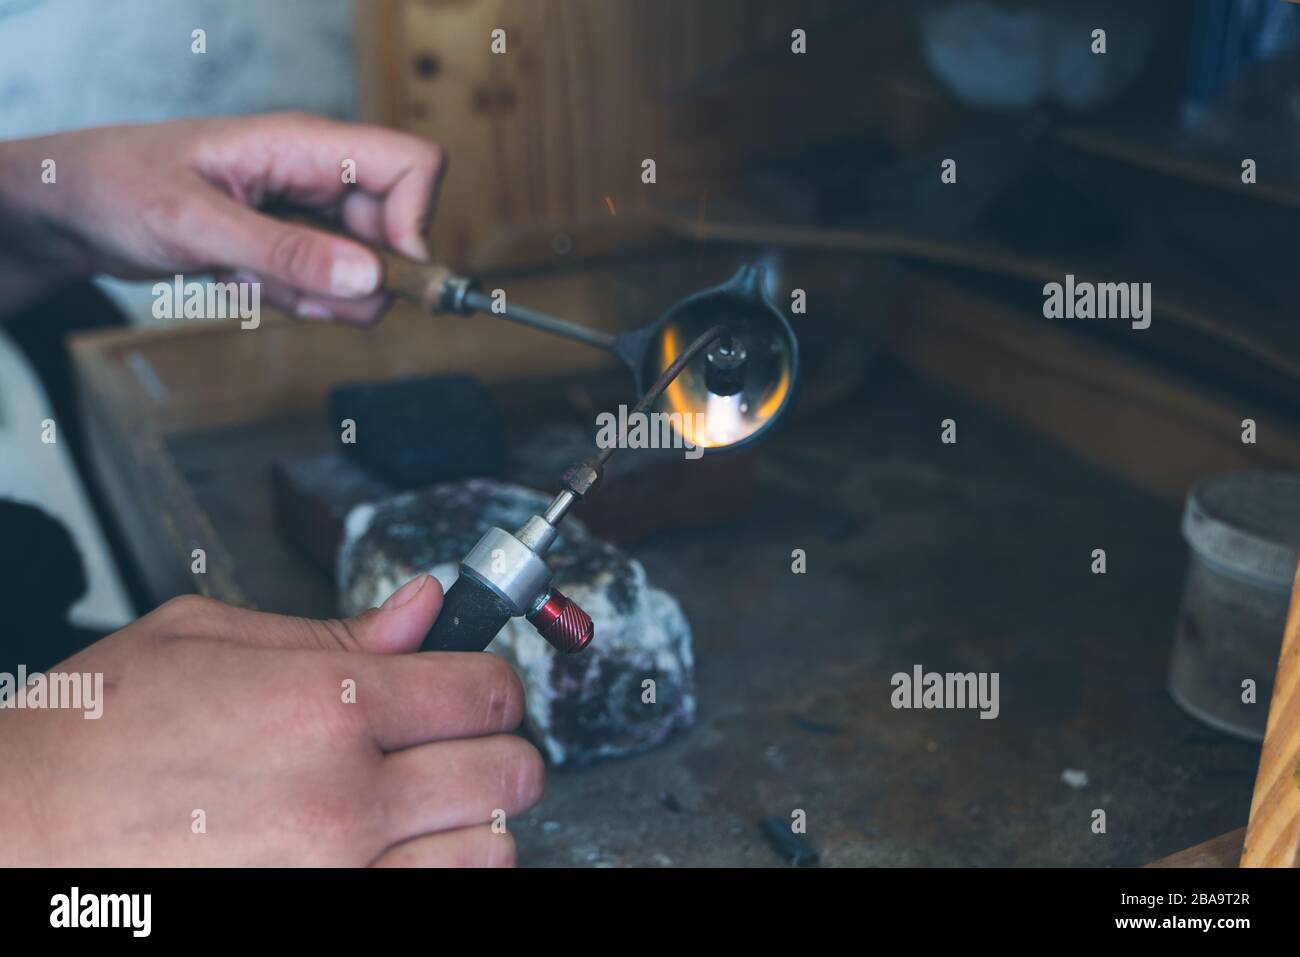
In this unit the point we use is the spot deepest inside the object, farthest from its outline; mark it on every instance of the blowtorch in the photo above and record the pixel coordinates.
(737, 368)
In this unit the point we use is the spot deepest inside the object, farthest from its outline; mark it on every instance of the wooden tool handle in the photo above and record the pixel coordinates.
(420, 283)
(415, 282)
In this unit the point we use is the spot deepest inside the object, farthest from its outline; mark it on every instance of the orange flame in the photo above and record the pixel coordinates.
(727, 419)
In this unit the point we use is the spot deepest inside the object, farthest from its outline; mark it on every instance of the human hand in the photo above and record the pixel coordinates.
(242, 716)
(157, 200)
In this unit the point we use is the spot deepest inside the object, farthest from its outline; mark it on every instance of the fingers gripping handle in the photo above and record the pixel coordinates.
(472, 615)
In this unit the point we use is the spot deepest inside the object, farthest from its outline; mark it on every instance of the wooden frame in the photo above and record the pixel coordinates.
(1273, 835)
(1272, 838)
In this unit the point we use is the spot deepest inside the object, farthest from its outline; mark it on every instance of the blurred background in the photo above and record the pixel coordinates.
(1109, 141)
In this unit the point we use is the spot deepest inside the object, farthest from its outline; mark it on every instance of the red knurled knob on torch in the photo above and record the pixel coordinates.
(562, 623)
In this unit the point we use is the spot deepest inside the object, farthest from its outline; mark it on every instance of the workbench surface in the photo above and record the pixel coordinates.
(968, 557)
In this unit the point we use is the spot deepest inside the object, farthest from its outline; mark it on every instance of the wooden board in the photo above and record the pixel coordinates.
(1161, 431)
(1273, 835)
(547, 140)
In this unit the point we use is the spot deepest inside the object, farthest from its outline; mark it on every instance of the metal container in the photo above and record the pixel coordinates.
(1243, 530)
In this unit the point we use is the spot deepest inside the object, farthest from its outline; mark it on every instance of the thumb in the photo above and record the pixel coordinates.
(399, 625)
(308, 260)
(402, 622)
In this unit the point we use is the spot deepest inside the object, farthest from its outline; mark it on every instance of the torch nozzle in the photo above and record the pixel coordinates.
(725, 366)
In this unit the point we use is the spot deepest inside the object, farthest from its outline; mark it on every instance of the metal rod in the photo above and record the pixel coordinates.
(559, 507)
(547, 323)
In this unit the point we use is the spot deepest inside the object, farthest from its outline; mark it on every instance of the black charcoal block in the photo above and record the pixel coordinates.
(414, 432)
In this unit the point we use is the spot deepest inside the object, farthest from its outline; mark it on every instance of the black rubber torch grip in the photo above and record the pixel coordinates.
(472, 615)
